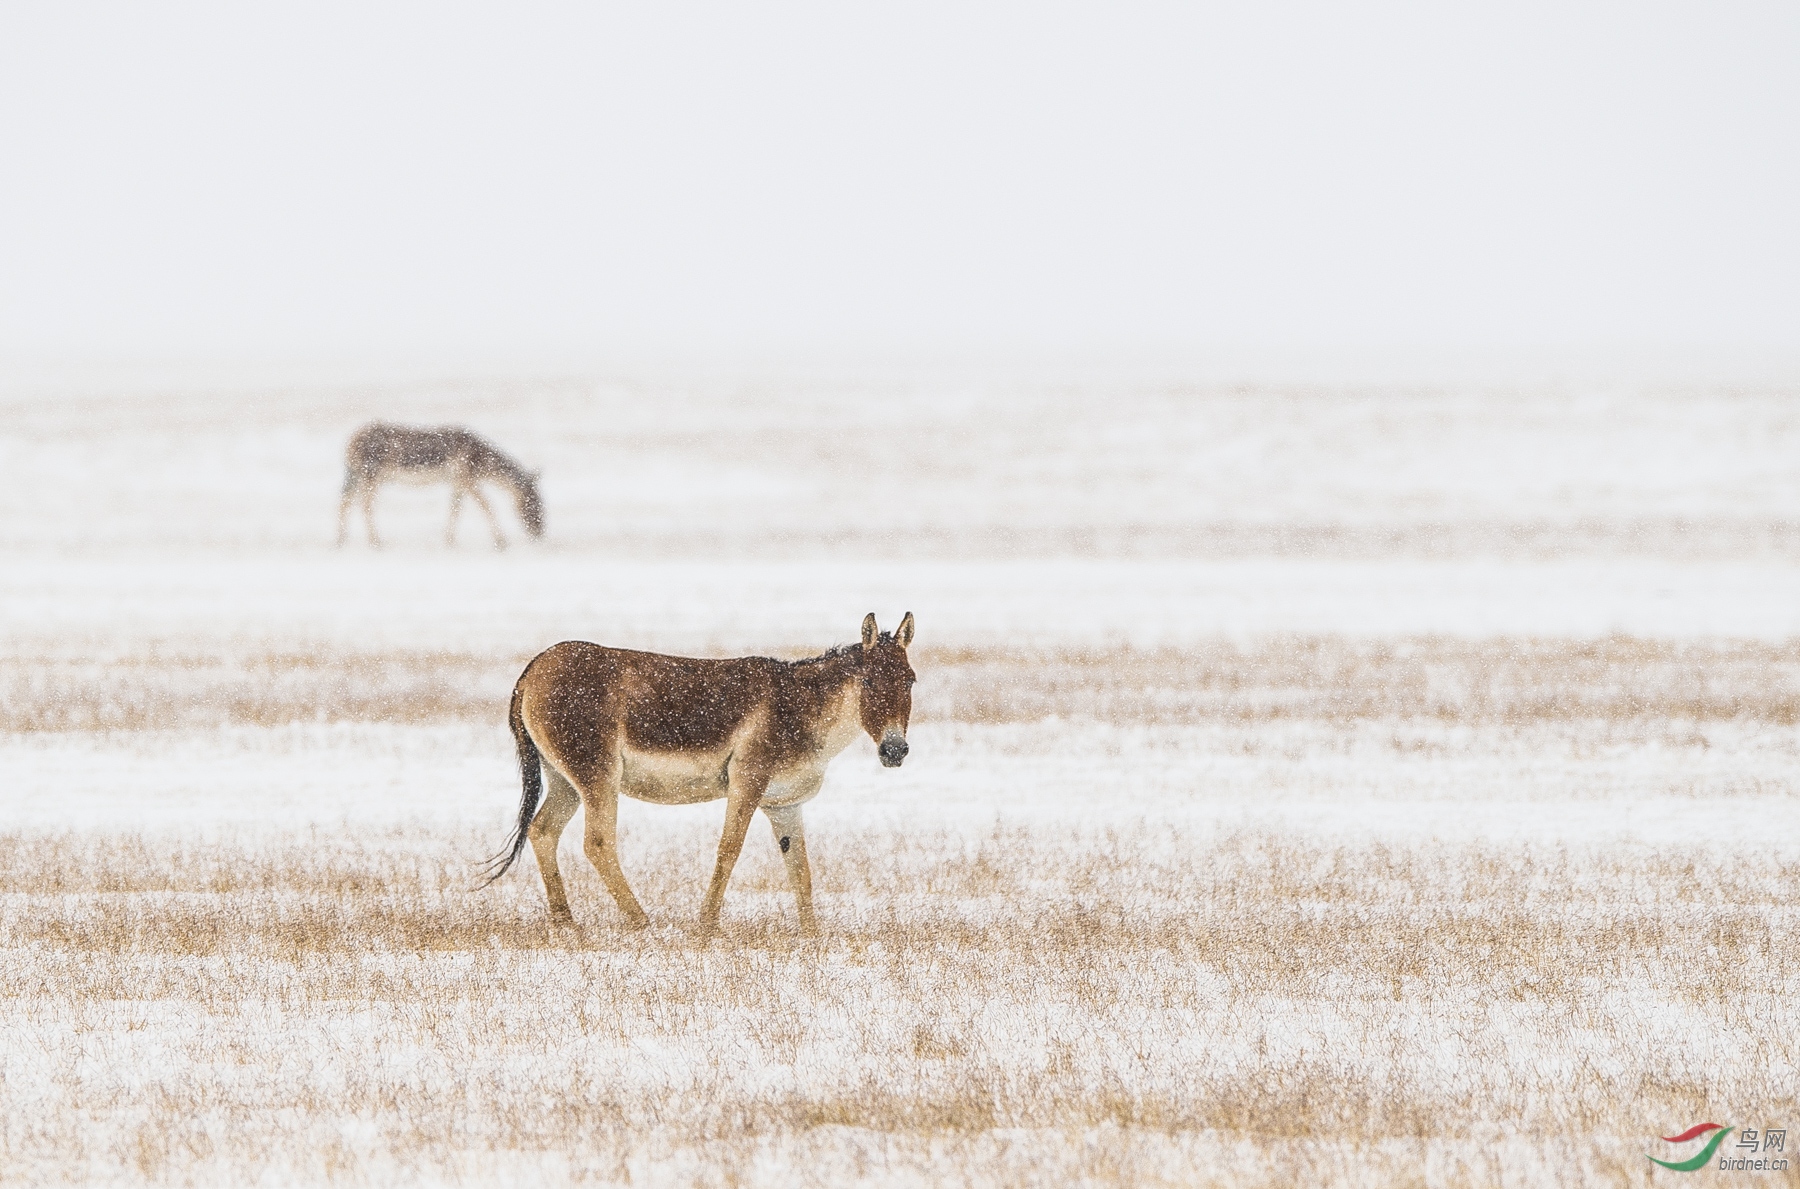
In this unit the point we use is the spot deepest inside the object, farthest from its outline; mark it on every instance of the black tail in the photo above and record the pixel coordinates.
(531, 776)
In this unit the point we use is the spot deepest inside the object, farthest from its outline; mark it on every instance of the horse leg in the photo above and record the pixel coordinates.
(368, 507)
(344, 509)
(493, 521)
(740, 806)
(560, 804)
(600, 796)
(790, 836)
(456, 494)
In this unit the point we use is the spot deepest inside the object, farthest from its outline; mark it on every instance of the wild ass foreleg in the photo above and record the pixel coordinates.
(601, 798)
(790, 836)
(560, 804)
(493, 521)
(368, 509)
(740, 806)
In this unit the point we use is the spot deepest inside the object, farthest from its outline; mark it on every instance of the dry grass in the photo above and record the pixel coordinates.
(1053, 1004)
(1034, 1006)
(1338, 680)
(1292, 677)
(1146, 1005)
(205, 687)
(1670, 537)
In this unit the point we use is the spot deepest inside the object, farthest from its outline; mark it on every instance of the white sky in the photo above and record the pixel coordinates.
(556, 181)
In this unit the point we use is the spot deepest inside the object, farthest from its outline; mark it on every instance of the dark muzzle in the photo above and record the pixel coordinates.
(893, 750)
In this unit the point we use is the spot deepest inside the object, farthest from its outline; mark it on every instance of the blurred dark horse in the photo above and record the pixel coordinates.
(381, 453)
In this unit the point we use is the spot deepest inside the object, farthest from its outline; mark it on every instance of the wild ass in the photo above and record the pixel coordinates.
(382, 453)
(595, 722)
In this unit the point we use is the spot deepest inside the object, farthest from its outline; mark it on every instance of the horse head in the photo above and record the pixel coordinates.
(885, 703)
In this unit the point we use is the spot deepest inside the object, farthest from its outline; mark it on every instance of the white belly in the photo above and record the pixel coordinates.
(674, 778)
(685, 778)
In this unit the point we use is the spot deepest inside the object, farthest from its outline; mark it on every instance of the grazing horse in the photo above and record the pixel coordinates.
(595, 722)
(381, 453)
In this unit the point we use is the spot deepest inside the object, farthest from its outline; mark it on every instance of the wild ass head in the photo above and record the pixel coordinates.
(531, 503)
(885, 703)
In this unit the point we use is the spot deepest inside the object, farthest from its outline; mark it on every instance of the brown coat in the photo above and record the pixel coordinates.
(593, 722)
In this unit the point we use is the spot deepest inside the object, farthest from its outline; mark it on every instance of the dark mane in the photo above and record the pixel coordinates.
(851, 651)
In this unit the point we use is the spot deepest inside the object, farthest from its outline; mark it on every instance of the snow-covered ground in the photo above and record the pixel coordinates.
(1725, 787)
(162, 539)
(515, 603)
(760, 519)
(907, 471)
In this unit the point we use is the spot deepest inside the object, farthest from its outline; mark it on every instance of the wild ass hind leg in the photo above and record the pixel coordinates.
(741, 805)
(560, 804)
(493, 521)
(790, 836)
(600, 796)
(368, 511)
(344, 502)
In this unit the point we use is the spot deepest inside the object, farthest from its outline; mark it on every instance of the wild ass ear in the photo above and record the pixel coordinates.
(870, 631)
(904, 633)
